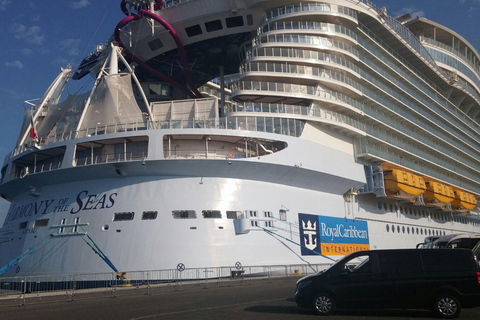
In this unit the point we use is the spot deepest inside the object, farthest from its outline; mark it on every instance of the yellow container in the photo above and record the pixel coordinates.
(463, 201)
(438, 194)
(403, 185)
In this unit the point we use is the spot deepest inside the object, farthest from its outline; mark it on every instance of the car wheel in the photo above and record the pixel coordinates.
(323, 304)
(447, 306)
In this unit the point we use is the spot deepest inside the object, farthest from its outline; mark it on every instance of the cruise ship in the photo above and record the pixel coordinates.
(238, 133)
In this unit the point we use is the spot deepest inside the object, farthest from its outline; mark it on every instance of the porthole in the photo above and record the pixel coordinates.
(385, 206)
(398, 229)
(408, 230)
(388, 228)
(393, 228)
(105, 227)
(391, 207)
(379, 205)
(403, 229)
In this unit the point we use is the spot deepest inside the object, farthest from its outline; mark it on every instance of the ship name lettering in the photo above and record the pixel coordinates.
(339, 231)
(93, 201)
(26, 210)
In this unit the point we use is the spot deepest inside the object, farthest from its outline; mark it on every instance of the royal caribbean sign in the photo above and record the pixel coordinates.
(332, 236)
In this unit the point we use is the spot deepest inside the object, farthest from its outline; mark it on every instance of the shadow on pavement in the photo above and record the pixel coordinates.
(408, 314)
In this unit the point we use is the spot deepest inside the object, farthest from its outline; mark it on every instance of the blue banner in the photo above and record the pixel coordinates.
(332, 236)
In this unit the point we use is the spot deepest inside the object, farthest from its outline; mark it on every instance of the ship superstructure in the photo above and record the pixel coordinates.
(248, 132)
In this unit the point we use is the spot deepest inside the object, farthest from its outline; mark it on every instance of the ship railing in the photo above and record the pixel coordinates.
(257, 122)
(405, 34)
(444, 46)
(44, 167)
(110, 158)
(29, 288)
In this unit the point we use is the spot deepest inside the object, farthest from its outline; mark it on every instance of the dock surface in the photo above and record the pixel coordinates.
(234, 300)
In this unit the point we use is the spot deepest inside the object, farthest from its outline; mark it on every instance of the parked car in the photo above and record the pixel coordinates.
(456, 241)
(440, 280)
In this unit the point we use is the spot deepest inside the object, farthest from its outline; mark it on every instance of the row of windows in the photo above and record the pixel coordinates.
(44, 222)
(267, 224)
(190, 214)
(309, 25)
(315, 91)
(300, 69)
(302, 54)
(301, 38)
(311, 7)
(424, 213)
(215, 25)
(414, 230)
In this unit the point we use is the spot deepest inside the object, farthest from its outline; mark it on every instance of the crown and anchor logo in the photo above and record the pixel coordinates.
(309, 231)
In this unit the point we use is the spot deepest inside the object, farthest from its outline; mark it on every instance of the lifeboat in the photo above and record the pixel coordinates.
(403, 185)
(438, 194)
(463, 201)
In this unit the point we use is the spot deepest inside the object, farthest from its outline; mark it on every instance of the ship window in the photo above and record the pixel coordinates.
(398, 229)
(234, 215)
(123, 216)
(149, 215)
(193, 30)
(403, 229)
(379, 205)
(254, 223)
(253, 213)
(184, 214)
(23, 225)
(388, 228)
(76, 221)
(268, 214)
(211, 214)
(40, 223)
(283, 214)
(62, 222)
(214, 25)
(393, 228)
(385, 206)
(391, 207)
(269, 224)
(234, 22)
(249, 19)
(155, 44)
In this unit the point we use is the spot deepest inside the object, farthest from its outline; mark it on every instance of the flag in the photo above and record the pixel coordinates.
(33, 133)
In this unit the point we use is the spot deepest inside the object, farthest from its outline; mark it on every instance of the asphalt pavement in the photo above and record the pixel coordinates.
(232, 300)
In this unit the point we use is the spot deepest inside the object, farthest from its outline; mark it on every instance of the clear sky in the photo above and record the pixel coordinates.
(39, 37)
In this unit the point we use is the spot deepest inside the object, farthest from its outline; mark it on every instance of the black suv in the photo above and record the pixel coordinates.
(442, 280)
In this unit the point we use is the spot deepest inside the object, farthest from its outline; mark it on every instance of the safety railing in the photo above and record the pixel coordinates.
(28, 288)
(109, 158)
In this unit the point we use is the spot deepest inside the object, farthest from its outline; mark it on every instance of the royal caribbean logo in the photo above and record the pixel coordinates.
(332, 236)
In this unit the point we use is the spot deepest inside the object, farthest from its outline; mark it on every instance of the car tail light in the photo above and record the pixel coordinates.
(478, 277)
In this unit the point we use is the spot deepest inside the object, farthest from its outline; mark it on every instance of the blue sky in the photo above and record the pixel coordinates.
(39, 37)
